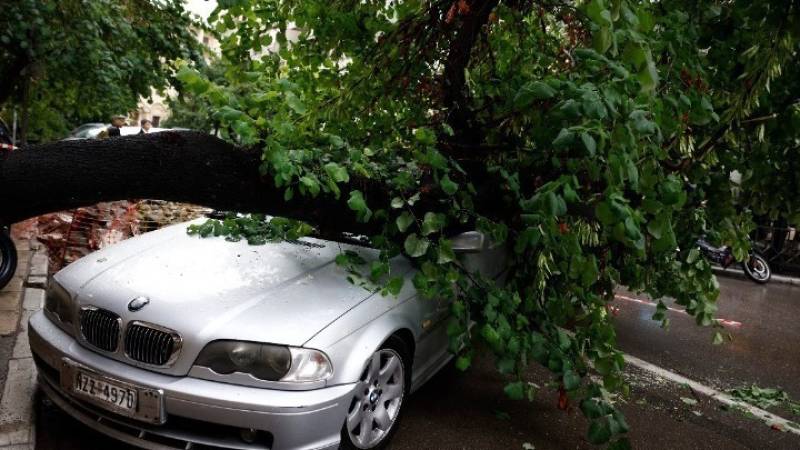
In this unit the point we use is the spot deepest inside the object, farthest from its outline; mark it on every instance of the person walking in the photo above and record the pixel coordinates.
(117, 122)
(146, 125)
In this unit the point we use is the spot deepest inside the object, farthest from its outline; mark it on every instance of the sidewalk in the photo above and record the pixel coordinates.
(738, 273)
(23, 296)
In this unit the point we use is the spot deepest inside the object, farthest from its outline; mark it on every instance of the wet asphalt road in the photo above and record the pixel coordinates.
(469, 410)
(764, 348)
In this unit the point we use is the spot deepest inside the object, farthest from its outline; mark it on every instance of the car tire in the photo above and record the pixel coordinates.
(378, 393)
(8, 258)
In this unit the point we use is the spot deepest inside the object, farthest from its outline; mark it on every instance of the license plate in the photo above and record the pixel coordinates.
(117, 396)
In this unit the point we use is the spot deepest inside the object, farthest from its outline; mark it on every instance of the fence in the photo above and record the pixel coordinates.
(781, 247)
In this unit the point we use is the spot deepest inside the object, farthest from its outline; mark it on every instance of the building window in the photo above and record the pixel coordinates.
(156, 120)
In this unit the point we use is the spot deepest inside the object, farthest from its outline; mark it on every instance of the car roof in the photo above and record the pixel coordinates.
(127, 131)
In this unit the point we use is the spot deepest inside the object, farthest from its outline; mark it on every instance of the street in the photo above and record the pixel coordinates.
(459, 411)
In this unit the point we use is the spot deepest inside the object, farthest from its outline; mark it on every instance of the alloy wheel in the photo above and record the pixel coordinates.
(377, 401)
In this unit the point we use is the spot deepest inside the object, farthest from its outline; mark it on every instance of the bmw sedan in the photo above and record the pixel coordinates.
(168, 341)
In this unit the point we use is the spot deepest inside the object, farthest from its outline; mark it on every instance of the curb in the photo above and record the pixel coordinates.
(736, 273)
(17, 415)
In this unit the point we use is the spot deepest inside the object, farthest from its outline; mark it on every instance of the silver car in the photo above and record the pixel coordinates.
(168, 341)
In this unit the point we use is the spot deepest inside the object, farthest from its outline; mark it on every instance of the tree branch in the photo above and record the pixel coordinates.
(474, 16)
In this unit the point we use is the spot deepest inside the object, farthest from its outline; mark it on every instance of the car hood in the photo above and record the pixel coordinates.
(208, 289)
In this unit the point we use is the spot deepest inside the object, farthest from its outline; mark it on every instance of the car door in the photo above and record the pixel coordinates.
(478, 256)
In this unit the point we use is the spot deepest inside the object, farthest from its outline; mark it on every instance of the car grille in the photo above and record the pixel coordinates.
(100, 328)
(149, 345)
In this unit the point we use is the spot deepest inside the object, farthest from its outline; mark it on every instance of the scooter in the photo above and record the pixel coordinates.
(8, 252)
(8, 256)
(755, 266)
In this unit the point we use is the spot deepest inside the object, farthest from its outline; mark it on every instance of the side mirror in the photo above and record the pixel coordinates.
(468, 242)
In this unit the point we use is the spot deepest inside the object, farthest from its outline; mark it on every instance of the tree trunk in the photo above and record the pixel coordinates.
(26, 111)
(475, 16)
(181, 166)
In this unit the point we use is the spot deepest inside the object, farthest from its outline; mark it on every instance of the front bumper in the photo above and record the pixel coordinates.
(201, 412)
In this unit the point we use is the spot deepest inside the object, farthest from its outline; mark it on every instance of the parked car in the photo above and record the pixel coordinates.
(93, 130)
(169, 341)
(87, 130)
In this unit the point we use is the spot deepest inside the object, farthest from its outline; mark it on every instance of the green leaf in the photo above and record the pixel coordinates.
(415, 246)
(648, 76)
(490, 335)
(404, 220)
(656, 226)
(689, 401)
(604, 213)
(448, 186)
(359, 205)
(599, 432)
(395, 285)
(589, 143)
(592, 409)
(694, 254)
(596, 10)
(515, 390)
(425, 136)
(432, 223)
(620, 444)
(564, 139)
(337, 173)
(446, 253)
(571, 380)
(532, 91)
(556, 205)
(295, 103)
(602, 39)
(311, 184)
(463, 362)
(505, 365)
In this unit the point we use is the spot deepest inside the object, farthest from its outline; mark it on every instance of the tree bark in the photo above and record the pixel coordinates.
(475, 16)
(184, 166)
(25, 96)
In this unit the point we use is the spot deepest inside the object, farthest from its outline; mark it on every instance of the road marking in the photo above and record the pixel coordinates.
(770, 419)
(731, 323)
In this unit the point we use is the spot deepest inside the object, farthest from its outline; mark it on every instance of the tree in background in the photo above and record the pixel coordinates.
(594, 139)
(193, 111)
(66, 62)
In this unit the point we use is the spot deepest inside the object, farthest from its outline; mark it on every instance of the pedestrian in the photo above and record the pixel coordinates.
(146, 125)
(117, 122)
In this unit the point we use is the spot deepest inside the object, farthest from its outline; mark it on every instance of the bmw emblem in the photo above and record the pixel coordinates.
(138, 303)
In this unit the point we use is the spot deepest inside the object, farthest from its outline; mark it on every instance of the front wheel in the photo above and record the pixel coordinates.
(757, 268)
(8, 258)
(375, 409)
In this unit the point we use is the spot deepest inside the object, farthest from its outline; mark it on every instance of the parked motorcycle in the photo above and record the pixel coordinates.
(755, 266)
(8, 256)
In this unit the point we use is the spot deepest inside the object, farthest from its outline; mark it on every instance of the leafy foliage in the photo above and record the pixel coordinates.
(595, 140)
(766, 398)
(74, 61)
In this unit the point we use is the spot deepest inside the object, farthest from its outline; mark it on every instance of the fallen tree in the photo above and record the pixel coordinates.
(594, 139)
(183, 166)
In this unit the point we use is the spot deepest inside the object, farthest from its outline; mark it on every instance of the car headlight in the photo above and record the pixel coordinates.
(58, 302)
(265, 361)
